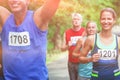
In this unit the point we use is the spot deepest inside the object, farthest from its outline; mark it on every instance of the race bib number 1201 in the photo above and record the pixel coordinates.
(107, 54)
(19, 39)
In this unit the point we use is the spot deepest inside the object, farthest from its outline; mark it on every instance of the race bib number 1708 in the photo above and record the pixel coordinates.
(19, 39)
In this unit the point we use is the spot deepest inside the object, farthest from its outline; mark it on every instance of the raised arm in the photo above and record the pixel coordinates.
(43, 14)
(4, 14)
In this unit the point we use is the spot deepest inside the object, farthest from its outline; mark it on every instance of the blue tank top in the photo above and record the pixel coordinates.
(109, 54)
(24, 50)
(85, 70)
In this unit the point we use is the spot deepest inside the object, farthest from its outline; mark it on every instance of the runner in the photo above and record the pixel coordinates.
(70, 38)
(105, 49)
(24, 39)
(85, 70)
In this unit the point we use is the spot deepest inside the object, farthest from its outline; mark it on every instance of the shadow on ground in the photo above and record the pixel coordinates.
(58, 69)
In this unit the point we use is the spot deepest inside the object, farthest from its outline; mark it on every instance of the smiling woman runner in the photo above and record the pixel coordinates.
(105, 49)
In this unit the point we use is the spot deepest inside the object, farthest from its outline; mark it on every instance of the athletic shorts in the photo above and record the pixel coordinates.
(112, 75)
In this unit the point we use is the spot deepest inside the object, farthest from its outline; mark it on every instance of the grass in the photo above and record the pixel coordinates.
(55, 56)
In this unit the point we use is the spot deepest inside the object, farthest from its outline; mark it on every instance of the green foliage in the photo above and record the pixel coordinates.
(50, 46)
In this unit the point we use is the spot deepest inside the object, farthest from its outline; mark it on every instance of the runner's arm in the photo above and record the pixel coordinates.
(88, 45)
(85, 50)
(4, 14)
(43, 14)
(77, 49)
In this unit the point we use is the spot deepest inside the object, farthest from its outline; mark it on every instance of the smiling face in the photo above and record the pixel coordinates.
(91, 28)
(17, 6)
(107, 20)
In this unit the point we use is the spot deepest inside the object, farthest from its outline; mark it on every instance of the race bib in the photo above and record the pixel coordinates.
(19, 39)
(107, 54)
(75, 39)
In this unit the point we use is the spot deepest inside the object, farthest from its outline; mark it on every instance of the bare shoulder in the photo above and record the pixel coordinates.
(4, 14)
(91, 37)
(90, 40)
(37, 17)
